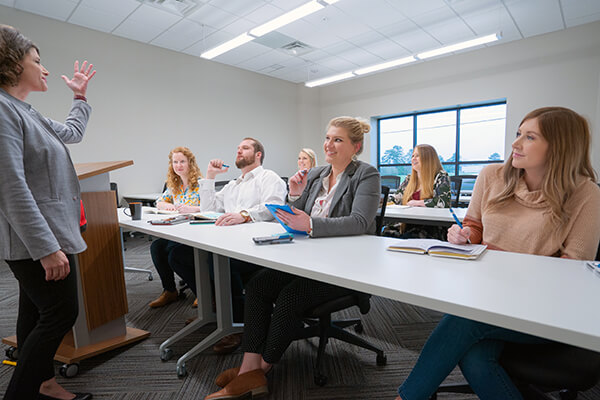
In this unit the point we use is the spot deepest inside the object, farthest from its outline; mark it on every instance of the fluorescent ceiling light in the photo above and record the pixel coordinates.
(330, 79)
(459, 46)
(291, 16)
(385, 65)
(225, 47)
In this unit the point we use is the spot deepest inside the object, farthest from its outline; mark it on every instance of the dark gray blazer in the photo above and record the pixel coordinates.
(354, 204)
(39, 189)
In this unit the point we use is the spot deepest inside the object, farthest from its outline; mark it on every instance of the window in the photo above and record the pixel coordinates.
(466, 138)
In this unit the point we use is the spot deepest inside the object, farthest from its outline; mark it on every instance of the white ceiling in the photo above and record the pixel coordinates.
(344, 36)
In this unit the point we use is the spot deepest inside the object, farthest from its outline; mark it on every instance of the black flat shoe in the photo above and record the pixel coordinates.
(78, 396)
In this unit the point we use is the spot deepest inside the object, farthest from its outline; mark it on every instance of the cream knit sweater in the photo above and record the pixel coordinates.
(523, 223)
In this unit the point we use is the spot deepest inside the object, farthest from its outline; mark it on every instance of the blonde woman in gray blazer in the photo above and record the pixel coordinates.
(340, 198)
(39, 213)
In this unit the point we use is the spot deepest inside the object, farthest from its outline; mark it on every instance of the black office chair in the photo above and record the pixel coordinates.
(542, 368)
(391, 181)
(455, 185)
(318, 320)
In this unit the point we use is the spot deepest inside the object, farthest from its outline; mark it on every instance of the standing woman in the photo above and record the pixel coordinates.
(307, 159)
(428, 185)
(39, 213)
(544, 200)
(182, 194)
(338, 199)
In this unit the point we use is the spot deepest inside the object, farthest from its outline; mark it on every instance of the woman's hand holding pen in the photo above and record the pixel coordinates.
(298, 182)
(215, 167)
(299, 221)
(79, 82)
(458, 235)
(56, 266)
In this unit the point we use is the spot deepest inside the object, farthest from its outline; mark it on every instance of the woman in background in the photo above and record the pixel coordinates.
(544, 200)
(340, 198)
(428, 185)
(40, 212)
(307, 159)
(181, 195)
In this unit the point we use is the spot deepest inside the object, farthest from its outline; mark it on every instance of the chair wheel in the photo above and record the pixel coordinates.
(320, 380)
(150, 277)
(181, 371)
(12, 353)
(166, 354)
(69, 370)
(358, 328)
(381, 359)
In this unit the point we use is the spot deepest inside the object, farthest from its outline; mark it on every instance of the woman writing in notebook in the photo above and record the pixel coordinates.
(543, 201)
(340, 198)
(428, 185)
(180, 195)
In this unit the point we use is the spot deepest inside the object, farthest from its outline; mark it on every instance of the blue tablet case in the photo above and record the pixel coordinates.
(274, 207)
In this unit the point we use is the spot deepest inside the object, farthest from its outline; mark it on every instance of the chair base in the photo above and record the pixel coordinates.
(140, 270)
(529, 392)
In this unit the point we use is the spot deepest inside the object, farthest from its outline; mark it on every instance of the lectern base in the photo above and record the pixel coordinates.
(68, 354)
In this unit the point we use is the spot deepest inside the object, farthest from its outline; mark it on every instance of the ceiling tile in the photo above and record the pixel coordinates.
(379, 45)
(412, 8)
(374, 13)
(146, 23)
(411, 37)
(208, 43)
(103, 16)
(493, 19)
(338, 64)
(360, 57)
(309, 34)
(265, 60)
(239, 26)
(315, 56)
(57, 9)
(264, 14)
(288, 5)
(535, 17)
(444, 25)
(212, 16)
(182, 35)
(332, 21)
(579, 12)
(238, 7)
(9, 3)
(242, 53)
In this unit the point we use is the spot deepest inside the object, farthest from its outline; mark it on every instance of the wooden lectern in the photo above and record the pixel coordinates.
(100, 326)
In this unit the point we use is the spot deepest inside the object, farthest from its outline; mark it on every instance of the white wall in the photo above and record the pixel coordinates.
(560, 69)
(147, 100)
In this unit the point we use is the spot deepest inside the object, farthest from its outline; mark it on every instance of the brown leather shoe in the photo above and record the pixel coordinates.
(228, 344)
(165, 298)
(251, 383)
(195, 303)
(227, 376)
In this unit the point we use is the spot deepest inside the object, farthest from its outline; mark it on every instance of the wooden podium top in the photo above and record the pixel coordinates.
(87, 170)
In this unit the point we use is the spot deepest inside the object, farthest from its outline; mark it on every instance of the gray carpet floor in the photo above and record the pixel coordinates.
(135, 372)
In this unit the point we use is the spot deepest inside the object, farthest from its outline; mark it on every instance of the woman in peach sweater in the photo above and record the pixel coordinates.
(544, 200)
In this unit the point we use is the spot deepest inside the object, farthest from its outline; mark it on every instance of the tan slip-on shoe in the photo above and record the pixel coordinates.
(253, 384)
(227, 376)
(165, 298)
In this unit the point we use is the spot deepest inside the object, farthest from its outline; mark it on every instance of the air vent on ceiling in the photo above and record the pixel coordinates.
(296, 48)
(177, 7)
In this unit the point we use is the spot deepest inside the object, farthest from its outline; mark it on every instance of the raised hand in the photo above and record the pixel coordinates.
(79, 82)
(214, 168)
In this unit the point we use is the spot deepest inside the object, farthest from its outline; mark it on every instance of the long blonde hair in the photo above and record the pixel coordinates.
(174, 182)
(430, 167)
(567, 160)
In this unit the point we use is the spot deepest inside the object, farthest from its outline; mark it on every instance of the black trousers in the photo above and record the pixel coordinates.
(270, 330)
(47, 311)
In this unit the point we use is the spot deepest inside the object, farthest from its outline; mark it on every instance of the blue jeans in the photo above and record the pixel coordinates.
(476, 348)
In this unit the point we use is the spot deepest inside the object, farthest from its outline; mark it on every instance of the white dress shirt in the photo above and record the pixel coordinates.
(249, 192)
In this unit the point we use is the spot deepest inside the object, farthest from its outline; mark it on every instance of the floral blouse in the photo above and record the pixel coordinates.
(441, 191)
(441, 199)
(191, 197)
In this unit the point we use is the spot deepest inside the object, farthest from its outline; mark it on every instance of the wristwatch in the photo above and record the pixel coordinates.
(246, 216)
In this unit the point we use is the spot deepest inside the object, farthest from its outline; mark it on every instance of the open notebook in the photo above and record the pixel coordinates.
(438, 248)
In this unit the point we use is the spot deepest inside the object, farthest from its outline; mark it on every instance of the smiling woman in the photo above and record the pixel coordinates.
(39, 217)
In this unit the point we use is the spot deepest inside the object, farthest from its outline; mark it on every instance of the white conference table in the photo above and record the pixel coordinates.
(423, 215)
(549, 297)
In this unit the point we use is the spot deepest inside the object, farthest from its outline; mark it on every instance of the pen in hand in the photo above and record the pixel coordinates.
(458, 222)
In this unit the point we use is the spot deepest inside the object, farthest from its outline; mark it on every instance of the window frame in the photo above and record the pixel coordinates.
(458, 108)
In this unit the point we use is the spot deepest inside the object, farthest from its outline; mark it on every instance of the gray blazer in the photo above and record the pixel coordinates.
(354, 204)
(39, 189)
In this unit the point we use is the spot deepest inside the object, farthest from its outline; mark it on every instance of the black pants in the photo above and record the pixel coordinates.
(169, 256)
(269, 330)
(47, 311)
